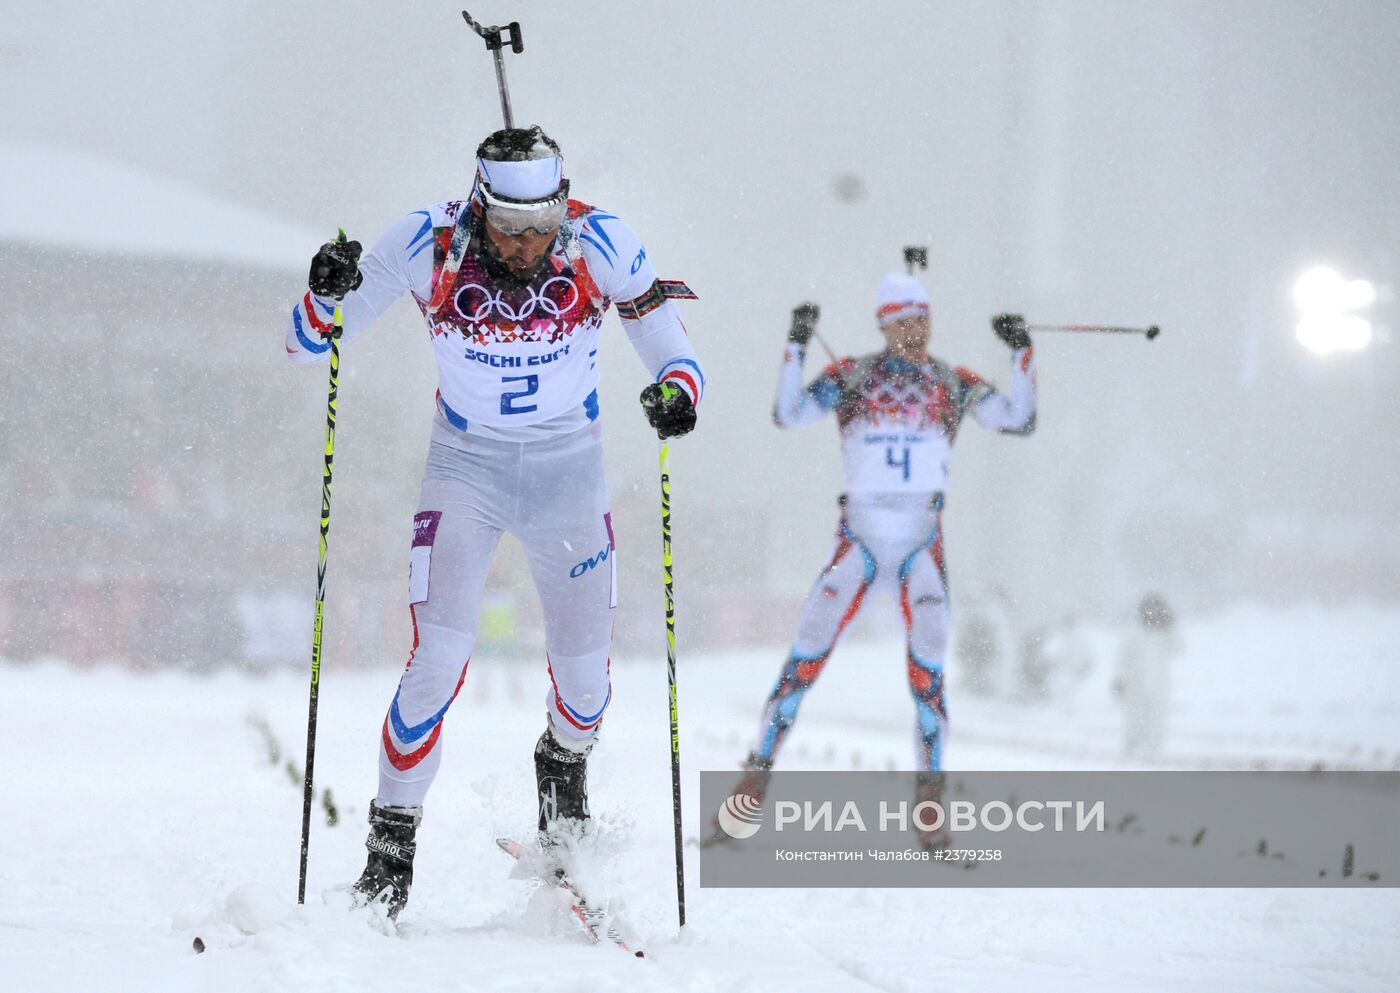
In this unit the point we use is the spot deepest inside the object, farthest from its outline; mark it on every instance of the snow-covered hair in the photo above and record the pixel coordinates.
(518, 145)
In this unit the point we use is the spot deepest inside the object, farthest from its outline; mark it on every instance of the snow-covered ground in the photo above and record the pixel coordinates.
(144, 810)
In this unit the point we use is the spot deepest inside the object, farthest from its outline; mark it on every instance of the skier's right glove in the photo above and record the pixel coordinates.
(669, 410)
(804, 322)
(1011, 328)
(335, 270)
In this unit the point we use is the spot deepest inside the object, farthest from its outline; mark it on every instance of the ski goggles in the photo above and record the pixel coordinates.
(515, 217)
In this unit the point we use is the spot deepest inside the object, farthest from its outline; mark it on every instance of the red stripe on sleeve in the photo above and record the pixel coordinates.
(685, 381)
(316, 322)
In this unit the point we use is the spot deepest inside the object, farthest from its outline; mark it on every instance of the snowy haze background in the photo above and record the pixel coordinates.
(1174, 163)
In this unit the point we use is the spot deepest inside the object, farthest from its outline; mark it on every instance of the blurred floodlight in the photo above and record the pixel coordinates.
(1325, 333)
(1360, 293)
(1320, 290)
(1326, 298)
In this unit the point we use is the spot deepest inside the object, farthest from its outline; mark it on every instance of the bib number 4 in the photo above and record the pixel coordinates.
(901, 464)
(510, 397)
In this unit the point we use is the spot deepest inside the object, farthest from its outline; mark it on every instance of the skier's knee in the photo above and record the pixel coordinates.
(574, 724)
(801, 673)
(926, 682)
(441, 644)
(435, 671)
(579, 692)
(928, 640)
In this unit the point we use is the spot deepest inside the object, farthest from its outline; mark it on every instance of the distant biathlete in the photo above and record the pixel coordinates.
(898, 411)
(1143, 683)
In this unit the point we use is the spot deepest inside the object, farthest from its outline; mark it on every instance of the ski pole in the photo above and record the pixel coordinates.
(835, 362)
(829, 353)
(495, 44)
(320, 603)
(1151, 332)
(671, 675)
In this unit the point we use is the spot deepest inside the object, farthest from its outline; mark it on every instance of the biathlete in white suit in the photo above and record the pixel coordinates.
(513, 283)
(898, 411)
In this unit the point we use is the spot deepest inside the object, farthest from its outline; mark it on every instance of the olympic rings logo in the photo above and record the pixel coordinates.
(476, 303)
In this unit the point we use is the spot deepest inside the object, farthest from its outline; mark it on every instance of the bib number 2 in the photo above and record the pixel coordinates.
(509, 397)
(901, 464)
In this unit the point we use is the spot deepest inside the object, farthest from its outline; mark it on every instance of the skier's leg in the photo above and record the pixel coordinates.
(566, 530)
(1146, 730)
(923, 601)
(1157, 708)
(1133, 737)
(831, 605)
(833, 602)
(567, 535)
(454, 538)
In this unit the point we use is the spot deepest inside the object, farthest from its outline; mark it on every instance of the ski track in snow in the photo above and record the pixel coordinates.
(148, 813)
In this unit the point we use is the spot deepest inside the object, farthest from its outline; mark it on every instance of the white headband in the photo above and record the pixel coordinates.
(533, 179)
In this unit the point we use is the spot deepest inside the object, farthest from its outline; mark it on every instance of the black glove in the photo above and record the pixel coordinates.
(804, 322)
(1011, 328)
(335, 270)
(669, 410)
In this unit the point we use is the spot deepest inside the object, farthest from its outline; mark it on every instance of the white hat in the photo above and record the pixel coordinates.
(900, 296)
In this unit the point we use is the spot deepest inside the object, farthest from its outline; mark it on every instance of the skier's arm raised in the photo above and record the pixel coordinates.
(795, 406)
(1013, 412)
(368, 285)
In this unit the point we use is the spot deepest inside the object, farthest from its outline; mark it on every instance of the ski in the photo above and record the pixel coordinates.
(595, 923)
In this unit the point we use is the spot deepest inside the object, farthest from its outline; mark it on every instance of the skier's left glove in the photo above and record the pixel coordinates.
(1011, 328)
(668, 409)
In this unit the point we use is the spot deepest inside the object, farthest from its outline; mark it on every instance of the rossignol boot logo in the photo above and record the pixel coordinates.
(401, 853)
(549, 799)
